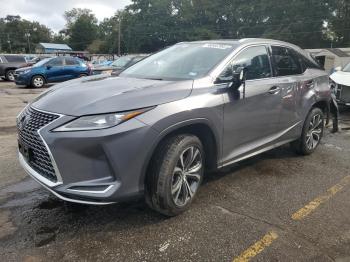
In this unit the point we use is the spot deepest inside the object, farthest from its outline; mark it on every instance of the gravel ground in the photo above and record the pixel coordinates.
(233, 210)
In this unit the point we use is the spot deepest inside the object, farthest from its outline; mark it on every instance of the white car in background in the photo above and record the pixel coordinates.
(340, 84)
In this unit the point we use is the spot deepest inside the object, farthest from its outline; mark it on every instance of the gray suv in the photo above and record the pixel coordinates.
(152, 131)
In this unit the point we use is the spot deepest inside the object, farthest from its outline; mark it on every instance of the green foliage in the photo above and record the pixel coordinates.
(149, 25)
(82, 28)
(19, 35)
(339, 22)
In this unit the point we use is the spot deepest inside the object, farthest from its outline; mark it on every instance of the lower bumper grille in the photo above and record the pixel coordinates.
(28, 124)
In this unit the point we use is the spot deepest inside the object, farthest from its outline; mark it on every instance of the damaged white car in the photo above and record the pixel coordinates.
(340, 84)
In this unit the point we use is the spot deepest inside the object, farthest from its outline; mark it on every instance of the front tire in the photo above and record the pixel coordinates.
(37, 81)
(10, 75)
(175, 174)
(311, 134)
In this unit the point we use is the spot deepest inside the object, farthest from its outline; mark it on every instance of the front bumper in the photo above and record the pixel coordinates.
(22, 79)
(96, 167)
(37, 177)
(342, 94)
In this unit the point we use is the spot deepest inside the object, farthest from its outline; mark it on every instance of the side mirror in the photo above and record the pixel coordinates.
(238, 76)
(48, 67)
(338, 68)
(234, 75)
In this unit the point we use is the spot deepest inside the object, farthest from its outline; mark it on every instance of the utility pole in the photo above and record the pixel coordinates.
(119, 34)
(28, 42)
(9, 42)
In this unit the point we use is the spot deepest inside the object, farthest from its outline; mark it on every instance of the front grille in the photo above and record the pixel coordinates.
(343, 93)
(28, 124)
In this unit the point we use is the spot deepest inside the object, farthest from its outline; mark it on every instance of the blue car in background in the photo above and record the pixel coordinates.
(54, 69)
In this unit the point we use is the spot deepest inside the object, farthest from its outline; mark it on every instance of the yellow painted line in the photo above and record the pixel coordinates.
(257, 248)
(310, 207)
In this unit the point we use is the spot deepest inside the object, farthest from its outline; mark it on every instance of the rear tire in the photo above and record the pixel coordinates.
(37, 81)
(10, 75)
(175, 174)
(311, 134)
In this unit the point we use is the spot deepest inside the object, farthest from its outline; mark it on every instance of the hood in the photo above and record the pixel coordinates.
(23, 68)
(341, 77)
(102, 94)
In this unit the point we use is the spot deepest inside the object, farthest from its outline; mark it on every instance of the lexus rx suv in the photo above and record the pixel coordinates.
(155, 129)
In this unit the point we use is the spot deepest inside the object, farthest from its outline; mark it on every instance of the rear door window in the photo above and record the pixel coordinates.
(286, 61)
(15, 58)
(70, 61)
(56, 62)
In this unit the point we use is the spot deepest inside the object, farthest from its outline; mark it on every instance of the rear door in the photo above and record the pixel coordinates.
(290, 77)
(55, 70)
(72, 67)
(251, 116)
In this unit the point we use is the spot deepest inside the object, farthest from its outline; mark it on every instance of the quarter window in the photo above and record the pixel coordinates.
(255, 60)
(286, 61)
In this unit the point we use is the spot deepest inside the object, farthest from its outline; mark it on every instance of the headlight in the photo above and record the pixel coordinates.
(95, 122)
(332, 84)
(24, 71)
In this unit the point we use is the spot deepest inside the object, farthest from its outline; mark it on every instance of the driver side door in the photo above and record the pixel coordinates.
(251, 113)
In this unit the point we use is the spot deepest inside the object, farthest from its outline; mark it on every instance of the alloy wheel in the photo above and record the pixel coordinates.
(186, 175)
(313, 136)
(38, 82)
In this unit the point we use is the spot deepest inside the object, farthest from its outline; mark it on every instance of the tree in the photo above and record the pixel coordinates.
(82, 28)
(339, 22)
(19, 35)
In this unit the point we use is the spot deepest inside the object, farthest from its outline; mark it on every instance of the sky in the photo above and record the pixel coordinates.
(50, 12)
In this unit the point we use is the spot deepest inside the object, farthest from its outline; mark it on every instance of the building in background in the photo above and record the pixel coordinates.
(330, 58)
(49, 48)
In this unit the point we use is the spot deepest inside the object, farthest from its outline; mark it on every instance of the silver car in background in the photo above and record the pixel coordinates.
(152, 131)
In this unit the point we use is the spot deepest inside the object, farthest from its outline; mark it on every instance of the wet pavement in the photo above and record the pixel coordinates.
(234, 209)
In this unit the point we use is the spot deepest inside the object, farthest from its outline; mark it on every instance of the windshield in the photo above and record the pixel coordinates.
(121, 62)
(181, 61)
(42, 62)
(346, 68)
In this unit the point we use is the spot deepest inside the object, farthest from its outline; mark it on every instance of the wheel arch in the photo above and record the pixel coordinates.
(324, 105)
(38, 74)
(198, 127)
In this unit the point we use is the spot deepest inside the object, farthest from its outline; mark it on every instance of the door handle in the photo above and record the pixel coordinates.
(274, 90)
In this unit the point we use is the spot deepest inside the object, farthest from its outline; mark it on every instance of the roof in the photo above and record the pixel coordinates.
(337, 52)
(247, 41)
(55, 46)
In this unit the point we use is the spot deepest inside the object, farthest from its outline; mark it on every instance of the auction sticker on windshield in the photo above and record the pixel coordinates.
(217, 46)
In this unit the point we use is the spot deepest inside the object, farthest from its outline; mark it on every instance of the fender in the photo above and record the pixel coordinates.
(171, 129)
